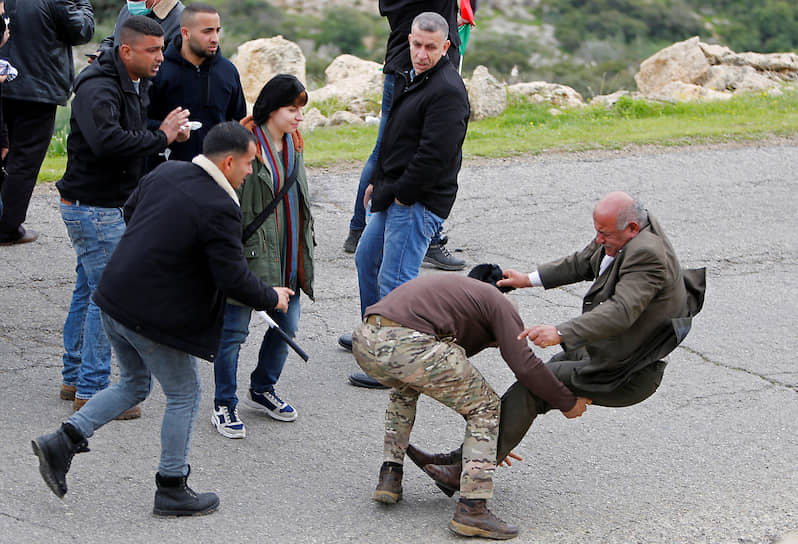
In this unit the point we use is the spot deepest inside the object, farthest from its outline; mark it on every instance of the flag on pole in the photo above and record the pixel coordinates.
(464, 30)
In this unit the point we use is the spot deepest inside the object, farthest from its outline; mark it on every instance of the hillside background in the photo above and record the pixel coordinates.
(594, 46)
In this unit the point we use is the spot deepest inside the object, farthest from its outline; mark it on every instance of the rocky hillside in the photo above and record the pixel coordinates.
(594, 46)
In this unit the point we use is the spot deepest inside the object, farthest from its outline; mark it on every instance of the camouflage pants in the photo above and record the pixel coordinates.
(413, 363)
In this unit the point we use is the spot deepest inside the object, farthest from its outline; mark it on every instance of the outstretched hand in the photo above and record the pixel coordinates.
(513, 278)
(507, 461)
(578, 409)
(542, 336)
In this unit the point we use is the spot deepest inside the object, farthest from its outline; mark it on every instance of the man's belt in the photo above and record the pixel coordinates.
(379, 321)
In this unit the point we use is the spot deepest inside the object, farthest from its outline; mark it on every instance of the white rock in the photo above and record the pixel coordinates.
(313, 119)
(260, 60)
(683, 62)
(345, 118)
(538, 92)
(487, 96)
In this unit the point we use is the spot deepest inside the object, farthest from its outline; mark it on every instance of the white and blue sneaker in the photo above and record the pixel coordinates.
(227, 422)
(273, 405)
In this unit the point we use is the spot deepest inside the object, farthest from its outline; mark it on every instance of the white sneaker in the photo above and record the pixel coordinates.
(227, 423)
(269, 402)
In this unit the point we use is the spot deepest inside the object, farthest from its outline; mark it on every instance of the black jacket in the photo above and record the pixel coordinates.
(108, 139)
(40, 47)
(421, 147)
(400, 15)
(211, 91)
(180, 256)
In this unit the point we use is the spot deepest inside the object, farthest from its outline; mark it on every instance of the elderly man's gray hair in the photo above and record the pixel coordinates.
(636, 212)
(429, 21)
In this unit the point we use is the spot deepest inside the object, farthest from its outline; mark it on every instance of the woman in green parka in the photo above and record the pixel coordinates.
(280, 252)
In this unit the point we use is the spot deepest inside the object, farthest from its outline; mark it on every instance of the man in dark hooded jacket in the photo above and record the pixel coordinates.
(197, 77)
(106, 149)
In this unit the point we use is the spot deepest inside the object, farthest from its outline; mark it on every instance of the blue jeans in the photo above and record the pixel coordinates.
(271, 358)
(358, 221)
(391, 249)
(95, 233)
(139, 360)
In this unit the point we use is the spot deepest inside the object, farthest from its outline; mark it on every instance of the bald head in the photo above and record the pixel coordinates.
(618, 218)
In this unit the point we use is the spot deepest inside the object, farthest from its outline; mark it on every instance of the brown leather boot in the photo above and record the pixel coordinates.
(67, 392)
(472, 518)
(421, 457)
(389, 488)
(447, 477)
(132, 413)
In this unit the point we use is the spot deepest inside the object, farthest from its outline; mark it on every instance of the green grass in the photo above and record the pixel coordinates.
(532, 128)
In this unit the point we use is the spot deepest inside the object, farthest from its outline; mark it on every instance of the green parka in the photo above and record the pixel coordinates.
(262, 250)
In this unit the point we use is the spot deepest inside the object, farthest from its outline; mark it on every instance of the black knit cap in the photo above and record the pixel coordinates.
(489, 273)
(280, 91)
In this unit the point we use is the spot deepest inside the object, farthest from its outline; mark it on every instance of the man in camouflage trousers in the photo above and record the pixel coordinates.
(417, 339)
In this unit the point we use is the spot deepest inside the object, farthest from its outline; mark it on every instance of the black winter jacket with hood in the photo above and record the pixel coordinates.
(211, 91)
(108, 139)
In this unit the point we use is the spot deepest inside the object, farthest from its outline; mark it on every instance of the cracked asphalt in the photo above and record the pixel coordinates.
(712, 457)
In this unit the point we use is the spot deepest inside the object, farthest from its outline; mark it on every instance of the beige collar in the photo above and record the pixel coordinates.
(213, 171)
(162, 9)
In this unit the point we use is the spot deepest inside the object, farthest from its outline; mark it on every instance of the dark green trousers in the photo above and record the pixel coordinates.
(520, 407)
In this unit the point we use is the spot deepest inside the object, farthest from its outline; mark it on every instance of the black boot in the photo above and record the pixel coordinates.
(55, 452)
(175, 498)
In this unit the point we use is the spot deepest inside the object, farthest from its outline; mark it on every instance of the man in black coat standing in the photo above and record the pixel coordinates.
(162, 298)
(107, 145)
(414, 184)
(41, 50)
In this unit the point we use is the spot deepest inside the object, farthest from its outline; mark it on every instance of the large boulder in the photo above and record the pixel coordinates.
(351, 81)
(260, 60)
(487, 96)
(678, 91)
(538, 92)
(313, 119)
(675, 71)
(683, 61)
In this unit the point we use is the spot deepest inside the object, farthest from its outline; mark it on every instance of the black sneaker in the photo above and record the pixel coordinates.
(350, 244)
(439, 257)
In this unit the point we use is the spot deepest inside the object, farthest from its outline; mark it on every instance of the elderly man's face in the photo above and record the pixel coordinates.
(426, 48)
(608, 236)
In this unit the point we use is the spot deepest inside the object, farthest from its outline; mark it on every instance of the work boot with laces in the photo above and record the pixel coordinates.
(55, 452)
(175, 498)
(472, 518)
(389, 487)
(440, 257)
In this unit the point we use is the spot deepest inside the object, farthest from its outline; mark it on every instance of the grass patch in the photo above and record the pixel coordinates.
(533, 128)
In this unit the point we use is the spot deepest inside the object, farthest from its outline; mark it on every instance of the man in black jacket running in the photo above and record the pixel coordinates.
(162, 298)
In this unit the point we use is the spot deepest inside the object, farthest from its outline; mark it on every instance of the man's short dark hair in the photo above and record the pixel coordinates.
(227, 138)
(193, 9)
(137, 26)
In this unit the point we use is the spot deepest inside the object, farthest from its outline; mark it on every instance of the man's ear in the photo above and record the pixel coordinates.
(446, 45)
(184, 33)
(634, 227)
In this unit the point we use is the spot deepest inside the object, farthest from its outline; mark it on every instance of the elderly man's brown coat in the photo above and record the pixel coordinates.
(635, 313)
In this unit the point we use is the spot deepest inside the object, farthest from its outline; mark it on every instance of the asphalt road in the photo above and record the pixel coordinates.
(712, 457)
